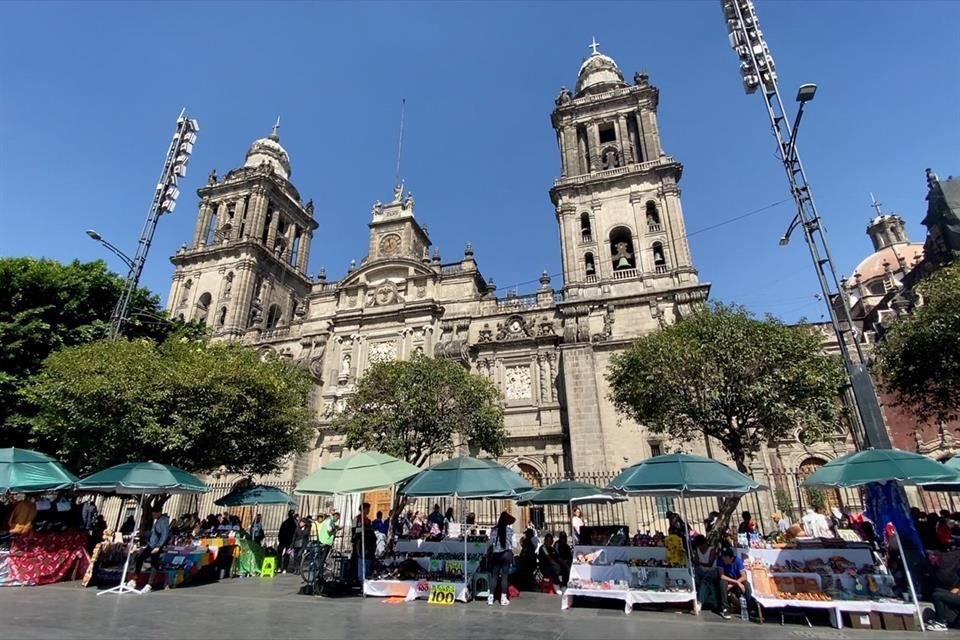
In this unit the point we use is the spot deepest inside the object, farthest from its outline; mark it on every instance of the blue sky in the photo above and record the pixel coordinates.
(89, 93)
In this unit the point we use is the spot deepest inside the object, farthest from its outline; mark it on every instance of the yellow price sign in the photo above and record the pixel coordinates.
(442, 594)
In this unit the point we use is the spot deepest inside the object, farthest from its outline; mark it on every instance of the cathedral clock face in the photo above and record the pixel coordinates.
(390, 245)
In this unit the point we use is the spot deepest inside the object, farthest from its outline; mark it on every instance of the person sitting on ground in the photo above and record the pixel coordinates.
(549, 559)
(565, 556)
(946, 604)
(527, 561)
(733, 580)
(705, 570)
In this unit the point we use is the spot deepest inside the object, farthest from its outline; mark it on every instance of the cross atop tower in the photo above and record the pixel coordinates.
(273, 133)
(594, 44)
(875, 204)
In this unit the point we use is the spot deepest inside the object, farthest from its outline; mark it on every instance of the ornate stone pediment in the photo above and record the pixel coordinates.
(515, 328)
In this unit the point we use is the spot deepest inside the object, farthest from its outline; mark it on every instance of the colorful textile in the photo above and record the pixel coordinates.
(44, 558)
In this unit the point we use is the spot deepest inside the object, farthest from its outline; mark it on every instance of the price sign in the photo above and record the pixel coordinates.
(442, 594)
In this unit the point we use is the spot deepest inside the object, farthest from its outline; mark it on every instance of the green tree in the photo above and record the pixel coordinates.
(414, 409)
(194, 404)
(727, 375)
(45, 305)
(919, 356)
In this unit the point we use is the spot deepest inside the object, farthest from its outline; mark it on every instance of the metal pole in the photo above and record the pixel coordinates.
(759, 71)
(164, 201)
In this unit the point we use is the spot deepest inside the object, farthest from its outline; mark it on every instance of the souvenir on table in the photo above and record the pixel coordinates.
(676, 554)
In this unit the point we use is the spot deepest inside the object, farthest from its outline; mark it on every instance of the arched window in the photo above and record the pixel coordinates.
(266, 227)
(273, 316)
(586, 233)
(203, 307)
(653, 216)
(621, 249)
(588, 265)
(659, 258)
(222, 317)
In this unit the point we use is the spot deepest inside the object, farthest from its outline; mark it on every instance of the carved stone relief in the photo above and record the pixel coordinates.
(381, 352)
(517, 384)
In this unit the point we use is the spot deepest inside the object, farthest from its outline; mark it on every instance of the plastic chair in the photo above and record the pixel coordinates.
(480, 584)
(269, 567)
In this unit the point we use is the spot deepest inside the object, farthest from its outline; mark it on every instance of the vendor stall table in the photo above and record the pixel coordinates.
(615, 575)
(431, 556)
(817, 569)
(44, 558)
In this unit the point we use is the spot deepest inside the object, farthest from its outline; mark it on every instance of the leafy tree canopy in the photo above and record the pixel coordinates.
(725, 374)
(919, 357)
(193, 404)
(45, 305)
(422, 407)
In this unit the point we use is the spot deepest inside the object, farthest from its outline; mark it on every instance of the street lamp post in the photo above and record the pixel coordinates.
(758, 71)
(164, 201)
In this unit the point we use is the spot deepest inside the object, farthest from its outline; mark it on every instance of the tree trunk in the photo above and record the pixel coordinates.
(729, 504)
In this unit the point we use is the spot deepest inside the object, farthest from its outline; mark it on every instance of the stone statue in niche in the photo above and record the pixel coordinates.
(345, 368)
(546, 328)
(486, 334)
(228, 286)
(186, 292)
(256, 316)
(607, 327)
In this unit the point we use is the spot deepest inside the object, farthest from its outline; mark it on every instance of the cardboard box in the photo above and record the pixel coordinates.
(861, 620)
(898, 621)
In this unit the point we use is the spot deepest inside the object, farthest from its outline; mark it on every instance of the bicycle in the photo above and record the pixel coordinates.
(317, 564)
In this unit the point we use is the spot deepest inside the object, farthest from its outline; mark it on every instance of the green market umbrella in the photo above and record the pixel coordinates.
(467, 477)
(26, 471)
(254, 495)
(355, 474)
(569, 492)
(682, 474)
(881, 466)
(364, 471)
(138, 478)
(135, 478)
(952, 464)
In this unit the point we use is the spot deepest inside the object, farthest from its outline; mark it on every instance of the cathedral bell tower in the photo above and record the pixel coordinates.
(246, 267)
(617, 199)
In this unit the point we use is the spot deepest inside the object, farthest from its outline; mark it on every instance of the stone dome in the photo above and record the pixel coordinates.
(871, 267)
(598, 73)
(269, 150)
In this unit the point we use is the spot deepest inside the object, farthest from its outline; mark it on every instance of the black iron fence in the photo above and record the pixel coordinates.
(786, 494)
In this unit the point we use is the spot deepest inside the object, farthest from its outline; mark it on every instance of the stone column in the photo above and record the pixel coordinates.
(645, 149)
(241, 211)
(626, 149)
(291, 236)
(272, 231)
(238, 313)
(258, 212)
(651, 135)
(305, 240)
(201, 227)
(594, 134)
(543, 369)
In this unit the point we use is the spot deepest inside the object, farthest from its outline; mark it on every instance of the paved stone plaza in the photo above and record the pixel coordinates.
(265, 608)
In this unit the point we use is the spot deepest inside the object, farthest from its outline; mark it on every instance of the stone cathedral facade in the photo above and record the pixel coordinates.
(624, 251)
